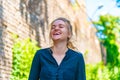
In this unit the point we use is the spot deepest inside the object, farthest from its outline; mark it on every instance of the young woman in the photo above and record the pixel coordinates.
(58, 62)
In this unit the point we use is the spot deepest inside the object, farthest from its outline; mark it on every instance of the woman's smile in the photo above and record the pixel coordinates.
(56, 35)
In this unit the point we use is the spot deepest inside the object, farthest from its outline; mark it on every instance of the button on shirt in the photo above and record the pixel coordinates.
(45, 67)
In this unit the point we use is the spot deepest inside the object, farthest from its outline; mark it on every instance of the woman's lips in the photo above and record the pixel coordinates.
(56, 33)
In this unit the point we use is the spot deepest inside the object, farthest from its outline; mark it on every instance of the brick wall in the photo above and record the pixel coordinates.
(31, 18)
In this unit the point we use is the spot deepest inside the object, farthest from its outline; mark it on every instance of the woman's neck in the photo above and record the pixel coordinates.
(59, 48)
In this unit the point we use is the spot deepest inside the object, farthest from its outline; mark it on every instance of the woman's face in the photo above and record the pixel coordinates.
(59, 31)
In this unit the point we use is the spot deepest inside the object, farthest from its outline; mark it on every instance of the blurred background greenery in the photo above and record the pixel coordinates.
(108, 32)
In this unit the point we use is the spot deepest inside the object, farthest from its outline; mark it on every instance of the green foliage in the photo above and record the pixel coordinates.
(23, 52)
(102, 72)
(108, 30)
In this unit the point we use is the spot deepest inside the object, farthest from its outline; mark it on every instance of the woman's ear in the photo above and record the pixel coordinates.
(69, 37)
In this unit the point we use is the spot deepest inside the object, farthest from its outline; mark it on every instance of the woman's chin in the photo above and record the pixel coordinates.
(56, 39)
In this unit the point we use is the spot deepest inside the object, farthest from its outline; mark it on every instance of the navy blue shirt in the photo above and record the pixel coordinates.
(45, 67)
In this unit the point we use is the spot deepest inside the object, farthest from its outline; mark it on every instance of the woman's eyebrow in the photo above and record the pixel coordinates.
(58, 24)
(53, 25)
(62, 24)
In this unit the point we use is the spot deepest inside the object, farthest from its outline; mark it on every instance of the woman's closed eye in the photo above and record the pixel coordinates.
(53, 27)
(61, 26)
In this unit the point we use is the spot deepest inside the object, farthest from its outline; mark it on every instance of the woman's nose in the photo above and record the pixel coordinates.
(57, 27)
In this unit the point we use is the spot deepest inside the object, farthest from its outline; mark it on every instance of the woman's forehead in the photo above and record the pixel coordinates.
(58, 22)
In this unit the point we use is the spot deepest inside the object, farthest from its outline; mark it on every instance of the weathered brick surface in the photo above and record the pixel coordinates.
(31, 18)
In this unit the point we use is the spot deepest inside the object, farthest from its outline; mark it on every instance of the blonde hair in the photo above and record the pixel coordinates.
(69, 43)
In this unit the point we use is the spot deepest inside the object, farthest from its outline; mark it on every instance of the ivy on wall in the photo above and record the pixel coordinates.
(23, 52)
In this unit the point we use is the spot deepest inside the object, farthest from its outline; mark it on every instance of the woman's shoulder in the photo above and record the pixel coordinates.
(42, 51)
(76, 53)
